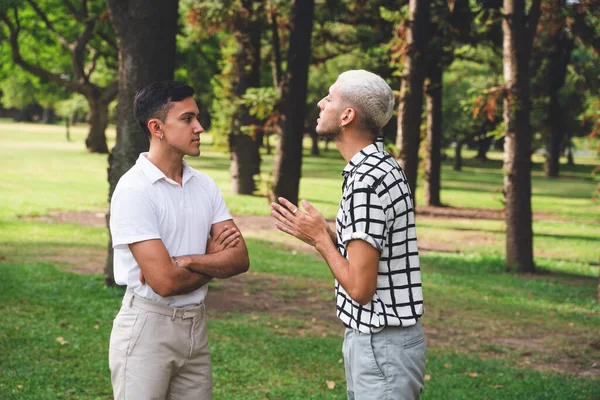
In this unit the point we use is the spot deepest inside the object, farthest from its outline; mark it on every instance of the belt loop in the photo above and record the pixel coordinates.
(174, 313)
(131, 300)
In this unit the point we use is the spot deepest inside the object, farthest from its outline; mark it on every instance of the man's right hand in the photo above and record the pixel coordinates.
(228, 237)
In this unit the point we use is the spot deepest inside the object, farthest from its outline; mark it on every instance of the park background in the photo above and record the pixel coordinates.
(501, 152)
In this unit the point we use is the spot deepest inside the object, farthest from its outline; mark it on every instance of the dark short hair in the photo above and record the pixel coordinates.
(156, 99)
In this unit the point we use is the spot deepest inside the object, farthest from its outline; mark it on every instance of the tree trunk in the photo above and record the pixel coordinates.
(288, 157)
(245, 163)
(411, 92)
(483, 146)
(314, 150)
(457, 164)
(245, 155)
(48, 115)
(434, 137)
(146, 30)
(96, 139)
(517, 146)
(554, 124)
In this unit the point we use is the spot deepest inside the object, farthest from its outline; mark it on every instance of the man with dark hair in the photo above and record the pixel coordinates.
(162, 215)
(373, 254)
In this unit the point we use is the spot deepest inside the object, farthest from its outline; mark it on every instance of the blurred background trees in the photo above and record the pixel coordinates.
(505, 74)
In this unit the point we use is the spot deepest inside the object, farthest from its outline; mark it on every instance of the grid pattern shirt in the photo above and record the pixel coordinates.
(376, 207)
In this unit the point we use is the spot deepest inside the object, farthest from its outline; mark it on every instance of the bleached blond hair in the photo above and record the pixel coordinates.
(370, 95)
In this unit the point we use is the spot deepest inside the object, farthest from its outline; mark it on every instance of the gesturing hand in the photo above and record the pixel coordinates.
(309, 226)
(228, 237)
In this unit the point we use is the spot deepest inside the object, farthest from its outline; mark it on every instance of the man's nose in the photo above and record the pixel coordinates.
(198, 128)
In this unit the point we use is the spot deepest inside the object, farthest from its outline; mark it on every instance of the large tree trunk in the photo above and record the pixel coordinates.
(146, 30)
(411, 91)
(245, 155)
(518, 30)
(96, 139)
(434, 137)
(288, 157)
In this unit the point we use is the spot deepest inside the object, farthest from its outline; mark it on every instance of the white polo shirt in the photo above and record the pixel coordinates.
(148, 205)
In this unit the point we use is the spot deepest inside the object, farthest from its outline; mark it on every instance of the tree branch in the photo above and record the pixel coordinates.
(78, 59)
(49, 24)
(35, 70)
(109, 40)
(73, 10)
(92, 64)
(530, 30)
(581, 29)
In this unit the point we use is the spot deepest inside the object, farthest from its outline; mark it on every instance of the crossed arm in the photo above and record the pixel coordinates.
(226, 256)
(357, 274)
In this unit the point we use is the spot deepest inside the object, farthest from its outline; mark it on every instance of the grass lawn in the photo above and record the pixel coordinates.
(491, 335)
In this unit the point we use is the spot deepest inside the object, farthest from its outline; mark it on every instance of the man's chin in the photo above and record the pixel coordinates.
(331, 135)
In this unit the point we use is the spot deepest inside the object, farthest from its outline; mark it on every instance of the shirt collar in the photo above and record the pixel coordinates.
(155, 174)
(360, 157)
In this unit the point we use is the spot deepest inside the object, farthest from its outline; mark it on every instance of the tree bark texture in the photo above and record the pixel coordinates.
(411, 91)
(146, 31)
(518, 30)
(292, 107)
(434, 137)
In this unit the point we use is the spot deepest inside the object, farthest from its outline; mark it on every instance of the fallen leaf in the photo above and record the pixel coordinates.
(473, 375)
(427, 377)
(340, 361)
(19, 386)
(501, 374)
(255, 317)
(446, 365)
(314, 319)
(330, 384)
(517, 313)
(61, 340)
(96, 326)
(276, 327)
(497, 387)
(571, 324)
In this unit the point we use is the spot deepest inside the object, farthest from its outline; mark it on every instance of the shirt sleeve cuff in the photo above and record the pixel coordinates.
(362, 236)
(123, 242)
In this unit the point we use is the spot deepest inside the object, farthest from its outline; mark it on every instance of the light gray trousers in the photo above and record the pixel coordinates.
(386, 365)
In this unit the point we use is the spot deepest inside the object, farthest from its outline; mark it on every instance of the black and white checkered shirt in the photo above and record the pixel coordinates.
(376, 207)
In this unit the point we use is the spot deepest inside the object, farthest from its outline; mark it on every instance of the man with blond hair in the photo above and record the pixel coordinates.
(373, 254)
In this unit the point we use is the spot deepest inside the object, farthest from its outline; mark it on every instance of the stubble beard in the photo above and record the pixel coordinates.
(331, 133)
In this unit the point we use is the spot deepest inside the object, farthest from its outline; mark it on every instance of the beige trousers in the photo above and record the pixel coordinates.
(159, 352)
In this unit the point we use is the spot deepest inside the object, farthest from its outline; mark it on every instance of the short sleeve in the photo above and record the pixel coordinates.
(364, 217)
(221, 213)
(133, 218)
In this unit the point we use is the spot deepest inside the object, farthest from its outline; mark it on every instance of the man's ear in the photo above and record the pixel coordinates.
(348, 115)
(155, 127)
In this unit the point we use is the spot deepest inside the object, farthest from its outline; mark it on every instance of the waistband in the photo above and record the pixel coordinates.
(132, 300)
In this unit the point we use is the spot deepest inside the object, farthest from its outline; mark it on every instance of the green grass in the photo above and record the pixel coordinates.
(491, 334)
